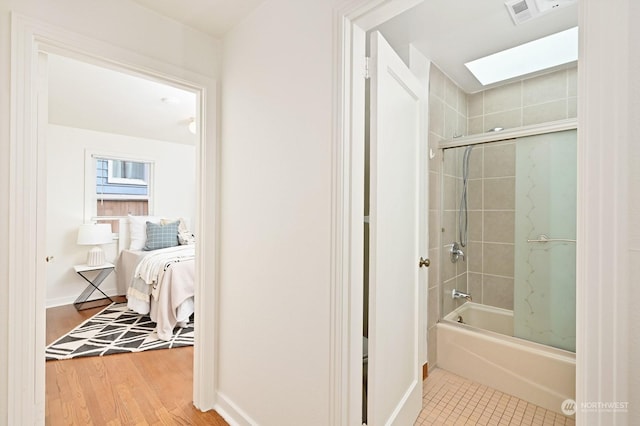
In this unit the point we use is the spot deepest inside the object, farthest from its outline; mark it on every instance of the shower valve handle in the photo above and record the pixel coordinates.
(455, 252)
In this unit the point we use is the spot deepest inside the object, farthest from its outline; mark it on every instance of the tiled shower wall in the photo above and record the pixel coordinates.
(447, 118)
(549, 97)
(491, 206)
(488, 272)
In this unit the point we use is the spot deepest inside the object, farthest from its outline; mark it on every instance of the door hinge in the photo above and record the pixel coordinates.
(366, 68)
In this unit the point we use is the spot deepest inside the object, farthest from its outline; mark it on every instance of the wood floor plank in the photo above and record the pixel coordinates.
(146, 388)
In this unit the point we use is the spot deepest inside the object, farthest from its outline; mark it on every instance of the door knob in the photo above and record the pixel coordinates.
(49, 259)
(424, 262)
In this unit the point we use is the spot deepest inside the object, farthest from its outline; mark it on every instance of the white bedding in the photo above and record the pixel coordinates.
(161, 284)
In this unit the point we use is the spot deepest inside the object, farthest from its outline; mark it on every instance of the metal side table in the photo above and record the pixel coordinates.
(102, 272)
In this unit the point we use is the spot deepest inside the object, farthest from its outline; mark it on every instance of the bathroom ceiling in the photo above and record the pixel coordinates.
(452, 32)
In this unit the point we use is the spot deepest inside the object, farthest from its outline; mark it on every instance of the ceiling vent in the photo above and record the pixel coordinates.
(525, 10)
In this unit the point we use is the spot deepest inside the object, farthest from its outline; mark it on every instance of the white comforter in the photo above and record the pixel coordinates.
(152, 266)
(166, 278)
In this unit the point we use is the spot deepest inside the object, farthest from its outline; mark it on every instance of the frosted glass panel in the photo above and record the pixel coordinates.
(545, 272)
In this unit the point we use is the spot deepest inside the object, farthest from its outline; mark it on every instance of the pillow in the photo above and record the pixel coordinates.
(181, 228)
(186, 237)
(138, 230)
(161, 236)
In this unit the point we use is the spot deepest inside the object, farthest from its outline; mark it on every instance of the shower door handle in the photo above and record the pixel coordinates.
(424, 262)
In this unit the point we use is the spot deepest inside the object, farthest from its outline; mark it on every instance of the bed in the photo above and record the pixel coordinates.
(157, 280)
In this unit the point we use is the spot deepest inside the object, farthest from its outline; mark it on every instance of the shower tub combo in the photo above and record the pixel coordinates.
(508, 316)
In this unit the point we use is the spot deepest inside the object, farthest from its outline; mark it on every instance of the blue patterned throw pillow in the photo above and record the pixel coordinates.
(161, 236)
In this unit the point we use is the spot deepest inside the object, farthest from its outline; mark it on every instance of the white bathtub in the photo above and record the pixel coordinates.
(483, 349)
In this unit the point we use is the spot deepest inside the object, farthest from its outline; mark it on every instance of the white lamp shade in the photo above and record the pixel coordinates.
(95, 234)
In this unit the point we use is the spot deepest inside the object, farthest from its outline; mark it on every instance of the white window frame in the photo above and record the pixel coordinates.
(125, 181)
(91, 197)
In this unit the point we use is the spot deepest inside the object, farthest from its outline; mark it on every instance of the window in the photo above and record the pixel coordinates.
(544, 53)
(120, 186)
(127, 172)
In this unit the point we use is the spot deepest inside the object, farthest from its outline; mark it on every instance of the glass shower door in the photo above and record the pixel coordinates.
(545, 232)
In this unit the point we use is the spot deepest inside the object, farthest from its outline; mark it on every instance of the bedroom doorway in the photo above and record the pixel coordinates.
(127, 149)
(32, 42)
(116, 144)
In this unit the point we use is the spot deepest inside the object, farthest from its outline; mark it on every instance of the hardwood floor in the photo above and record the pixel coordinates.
(146, 388)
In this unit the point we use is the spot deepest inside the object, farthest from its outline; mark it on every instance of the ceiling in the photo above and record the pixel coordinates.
(449, 32)
(452, 32)
(213, 17)
(91, 97)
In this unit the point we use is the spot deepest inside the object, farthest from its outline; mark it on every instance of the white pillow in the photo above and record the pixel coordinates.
(138, 230)
(182, 227)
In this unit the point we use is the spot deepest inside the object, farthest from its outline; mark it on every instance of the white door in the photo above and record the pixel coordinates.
(394, 370)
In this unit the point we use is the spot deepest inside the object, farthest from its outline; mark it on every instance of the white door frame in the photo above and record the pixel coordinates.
(27, 195)
(602, 363)
(351, 23)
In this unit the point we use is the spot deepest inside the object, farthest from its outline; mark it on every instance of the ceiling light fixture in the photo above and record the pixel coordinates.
(544, 53)
(170, 100)
(192, 125)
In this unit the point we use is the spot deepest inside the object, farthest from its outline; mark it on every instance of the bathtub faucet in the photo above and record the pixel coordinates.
(455, 294)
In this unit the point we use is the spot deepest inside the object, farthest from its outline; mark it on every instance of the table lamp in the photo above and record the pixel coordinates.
(95, 234)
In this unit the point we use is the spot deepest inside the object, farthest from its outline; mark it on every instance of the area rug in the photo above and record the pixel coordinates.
(115, 330)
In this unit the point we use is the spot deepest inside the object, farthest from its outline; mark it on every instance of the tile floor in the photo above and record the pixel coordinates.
(453, 400)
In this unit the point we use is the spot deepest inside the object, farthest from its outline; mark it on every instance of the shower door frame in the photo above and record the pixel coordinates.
(511, 135)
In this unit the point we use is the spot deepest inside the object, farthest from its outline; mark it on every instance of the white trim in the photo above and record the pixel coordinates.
(127, 181)
(27, 218)
(420, 66)
(111, 197)
(111, 291)
(25, 378)
(90, 195)
(347, 236)
(603, 366)
(232, 414)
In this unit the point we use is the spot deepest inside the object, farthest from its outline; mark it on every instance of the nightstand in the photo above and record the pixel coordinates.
(85, 272)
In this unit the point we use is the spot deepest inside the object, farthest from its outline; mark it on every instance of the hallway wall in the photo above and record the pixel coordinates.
(276, 232)
(122, 23)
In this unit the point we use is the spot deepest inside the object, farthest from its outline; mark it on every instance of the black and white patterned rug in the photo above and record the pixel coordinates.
(115, 330)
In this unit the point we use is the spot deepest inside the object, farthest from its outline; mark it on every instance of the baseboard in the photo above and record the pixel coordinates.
(68, 300)
(231, 413)
(425, 371)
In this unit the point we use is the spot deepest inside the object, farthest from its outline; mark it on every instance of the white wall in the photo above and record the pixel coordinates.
(275, 213)
(174, 187)
(122, 23)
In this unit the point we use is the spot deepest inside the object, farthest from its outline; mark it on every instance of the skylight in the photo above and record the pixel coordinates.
(547, 52)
